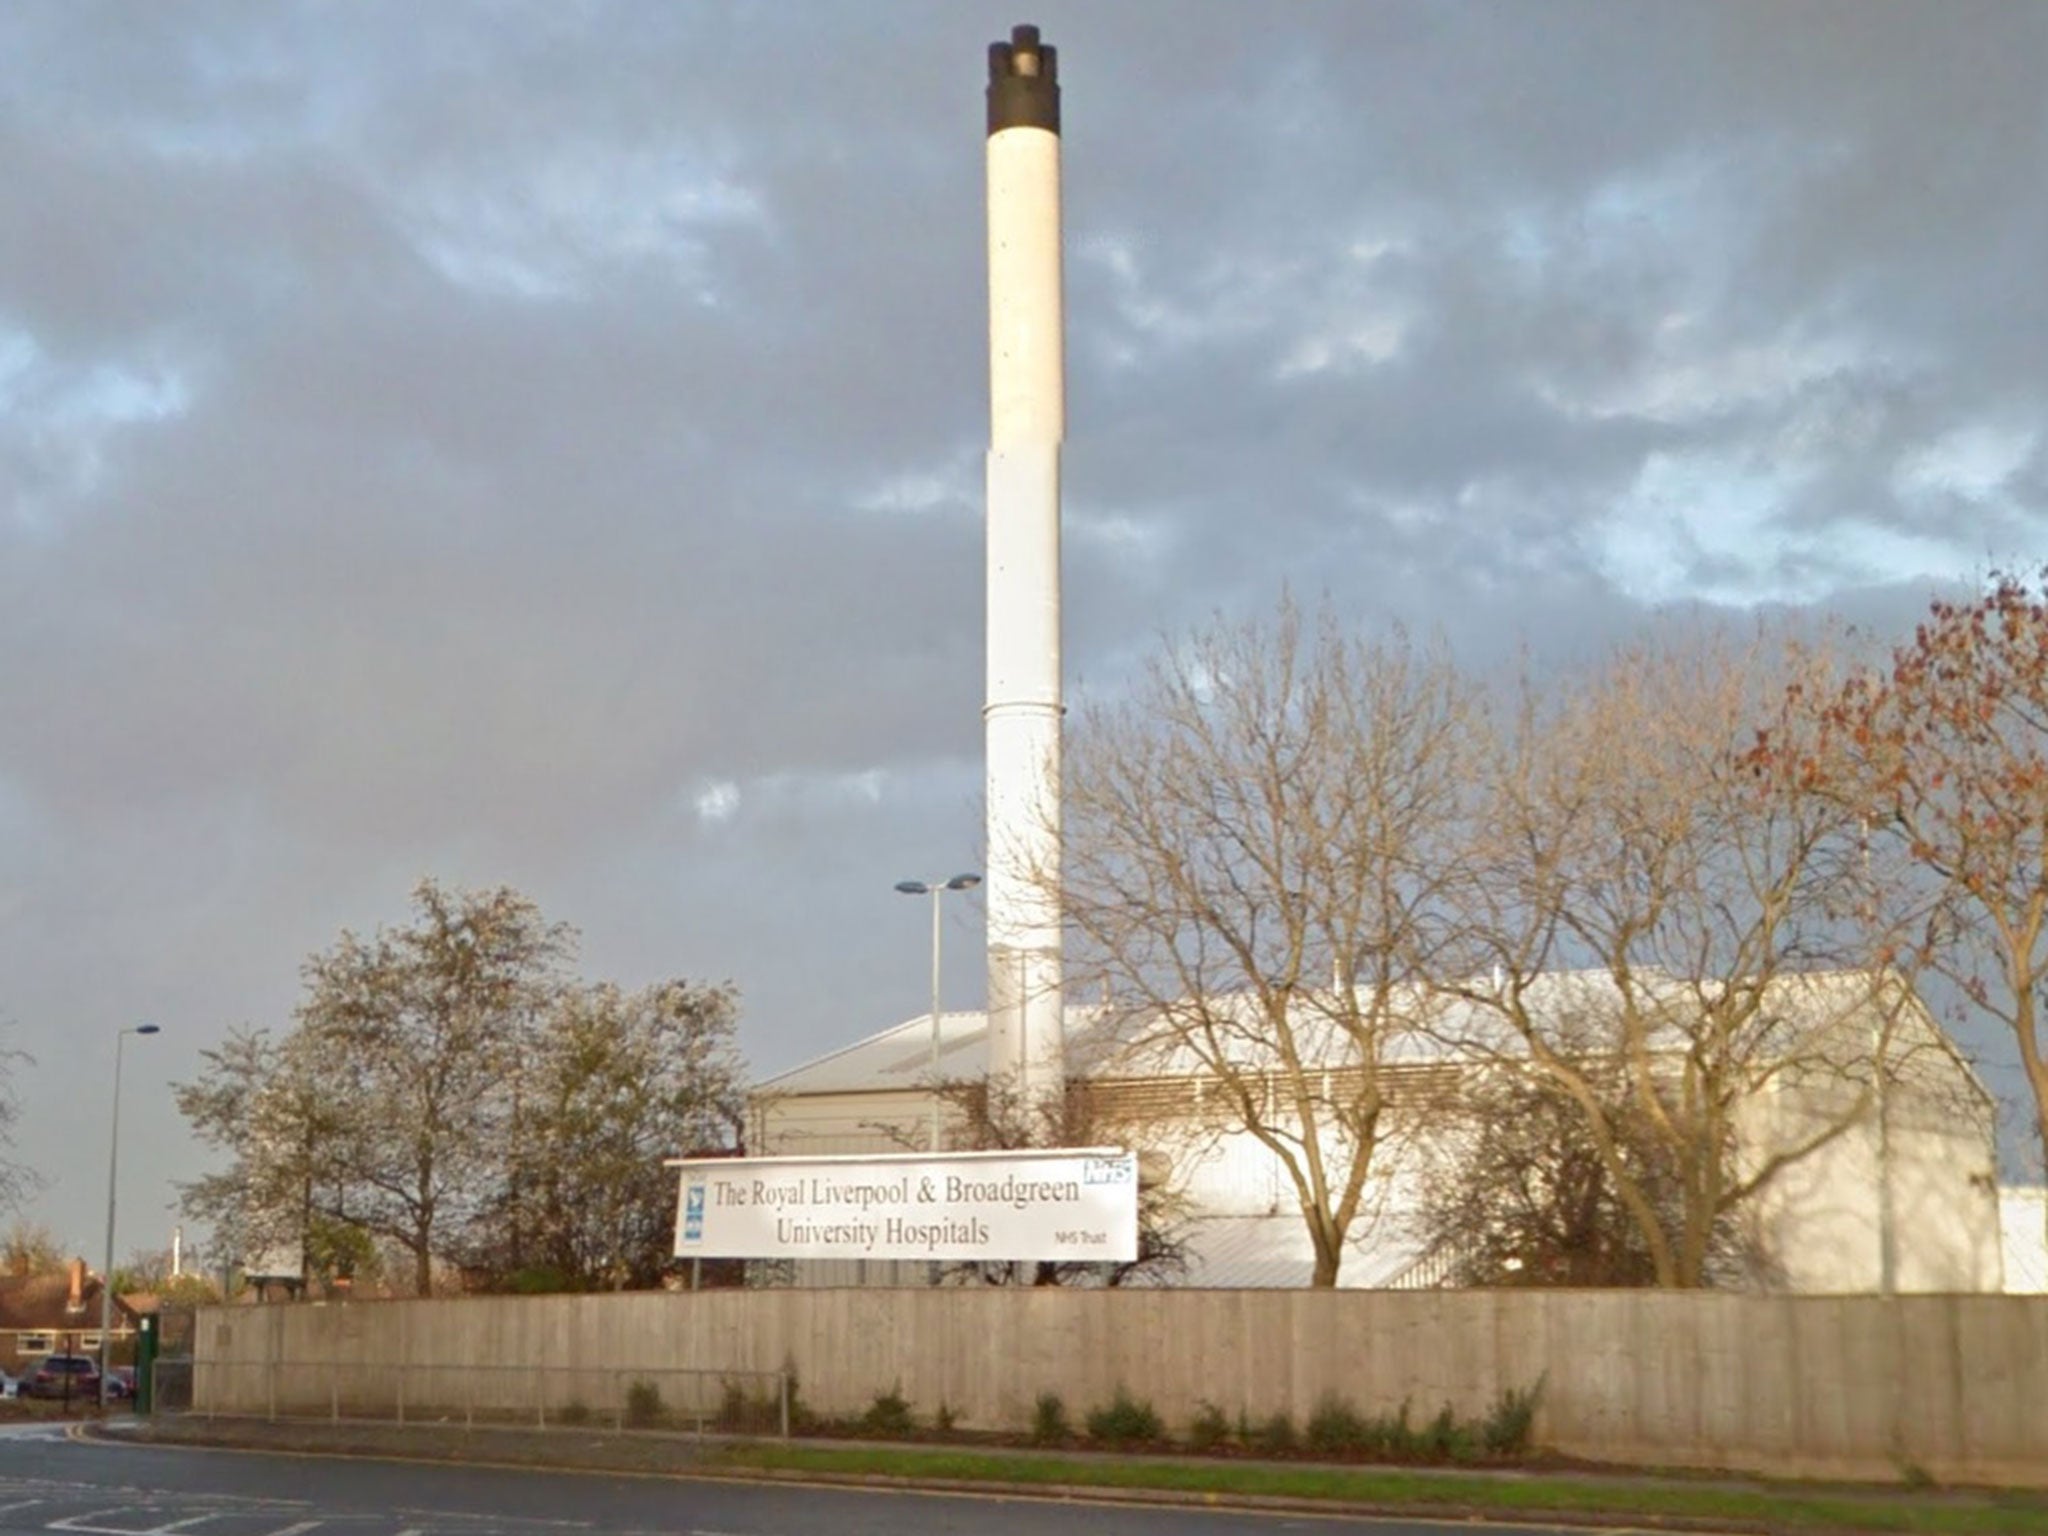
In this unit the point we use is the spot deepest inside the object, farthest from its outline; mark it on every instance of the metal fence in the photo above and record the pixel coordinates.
(653, 1399)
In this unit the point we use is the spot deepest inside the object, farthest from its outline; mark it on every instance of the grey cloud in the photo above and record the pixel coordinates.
(538, 374)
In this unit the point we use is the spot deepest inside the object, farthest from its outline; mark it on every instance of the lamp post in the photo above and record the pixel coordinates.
(113, 1165)
(936, 889)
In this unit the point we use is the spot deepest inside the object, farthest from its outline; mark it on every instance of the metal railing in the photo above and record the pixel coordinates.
(652, 1399)
(1432, 1271)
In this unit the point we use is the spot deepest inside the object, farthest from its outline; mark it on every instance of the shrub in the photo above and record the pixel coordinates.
(1209, 1428)
(1396, 1437)
(889, 1413)
(944, 1419)
(644, 1407)
(1276, 1435)
(1049, 1419)
(1510, 1425)
(1335, 1428)
(574, 1412)
(734, 1411)
(1448, 1440)
(1125, 1421)
(540, 1280)
(745, 1411)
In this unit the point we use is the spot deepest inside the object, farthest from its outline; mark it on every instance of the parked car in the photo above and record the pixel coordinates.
(72, 1376)
(10, 1386)
(120, 1382)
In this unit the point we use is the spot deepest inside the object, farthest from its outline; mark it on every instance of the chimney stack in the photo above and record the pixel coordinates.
(1027, 423)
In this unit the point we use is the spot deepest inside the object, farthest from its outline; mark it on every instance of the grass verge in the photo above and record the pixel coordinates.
(1563, 1497)
(1546, 1495)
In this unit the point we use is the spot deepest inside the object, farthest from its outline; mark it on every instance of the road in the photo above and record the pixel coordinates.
(51, 1483)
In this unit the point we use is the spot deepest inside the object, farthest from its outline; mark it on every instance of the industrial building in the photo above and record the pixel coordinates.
(1900, 1194)
(1904, 1197)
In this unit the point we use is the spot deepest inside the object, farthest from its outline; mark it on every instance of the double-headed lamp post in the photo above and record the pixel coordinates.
(113, 1166)
(936, 889)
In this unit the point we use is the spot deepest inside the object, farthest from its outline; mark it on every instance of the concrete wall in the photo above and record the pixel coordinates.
(1811, 1386)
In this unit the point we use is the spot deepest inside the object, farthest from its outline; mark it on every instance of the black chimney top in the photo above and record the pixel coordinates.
(1023, 83)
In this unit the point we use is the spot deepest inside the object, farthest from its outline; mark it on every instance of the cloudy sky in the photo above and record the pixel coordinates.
(541, 443)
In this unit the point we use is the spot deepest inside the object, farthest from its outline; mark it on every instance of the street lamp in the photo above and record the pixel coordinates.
(936, 889)
(113, 1163)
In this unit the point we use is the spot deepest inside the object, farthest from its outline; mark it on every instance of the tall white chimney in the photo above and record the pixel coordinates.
(1027, 420)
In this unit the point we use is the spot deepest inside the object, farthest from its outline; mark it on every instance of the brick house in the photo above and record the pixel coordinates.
(54, 1313)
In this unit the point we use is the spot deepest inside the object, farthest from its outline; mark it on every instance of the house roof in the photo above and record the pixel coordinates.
(43, 1302)
(1434, 1026)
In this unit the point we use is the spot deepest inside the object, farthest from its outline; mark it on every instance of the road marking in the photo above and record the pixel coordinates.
(295, 1530)
(77, 1523)
(500, 1520)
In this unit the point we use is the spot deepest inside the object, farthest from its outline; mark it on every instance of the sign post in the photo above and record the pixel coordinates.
(1064, 1205)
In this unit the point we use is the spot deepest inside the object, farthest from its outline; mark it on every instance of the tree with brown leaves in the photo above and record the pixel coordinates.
(1944, 754)
(1646, 916)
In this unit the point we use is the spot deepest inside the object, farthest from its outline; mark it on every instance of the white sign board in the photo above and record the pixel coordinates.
(1069, 1205)
(284, 1261)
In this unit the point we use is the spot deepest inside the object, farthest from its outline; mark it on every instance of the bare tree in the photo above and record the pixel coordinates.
(30, 1248)
(17, 1180)
(993, 1116)
(146, 1270)
(1644, 908)
(1258, 845)
(1519, 1193)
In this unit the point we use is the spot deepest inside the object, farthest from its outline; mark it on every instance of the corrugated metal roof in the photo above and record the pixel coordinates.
(1103, 1044)
(899, 1057)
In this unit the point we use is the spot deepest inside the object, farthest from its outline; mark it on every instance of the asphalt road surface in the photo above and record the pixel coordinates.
(51, 1483)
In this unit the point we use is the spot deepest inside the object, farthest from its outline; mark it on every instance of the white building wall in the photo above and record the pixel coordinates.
(2023, 1218)
(1232, 1175)
(1822, 1218)
(1819, 1218)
